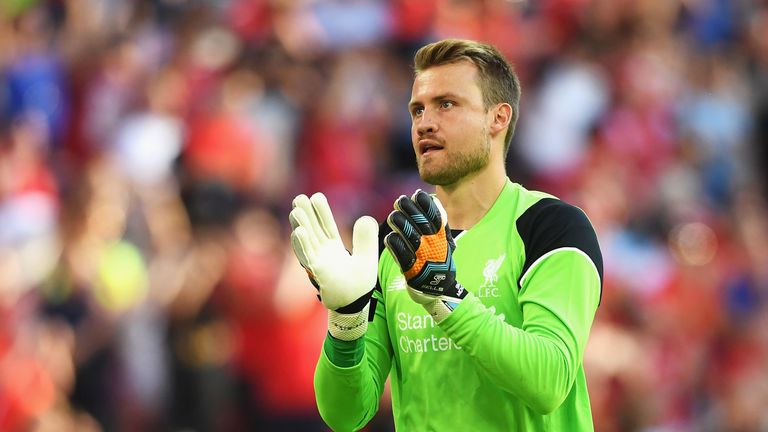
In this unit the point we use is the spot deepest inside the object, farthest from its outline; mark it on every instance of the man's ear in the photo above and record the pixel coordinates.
(502, 116)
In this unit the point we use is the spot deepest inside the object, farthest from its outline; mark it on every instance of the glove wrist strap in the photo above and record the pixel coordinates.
(438, 309)
(348, 327)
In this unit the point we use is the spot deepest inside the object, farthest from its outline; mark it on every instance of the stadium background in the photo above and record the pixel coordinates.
(149, 151)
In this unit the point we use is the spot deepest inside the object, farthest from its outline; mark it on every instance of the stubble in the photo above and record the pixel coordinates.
(458, 165)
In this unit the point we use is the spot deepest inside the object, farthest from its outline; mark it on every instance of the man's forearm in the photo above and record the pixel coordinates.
(346, 389)
(534, 366)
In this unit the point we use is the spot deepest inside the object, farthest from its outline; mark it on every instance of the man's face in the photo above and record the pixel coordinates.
(449, 127)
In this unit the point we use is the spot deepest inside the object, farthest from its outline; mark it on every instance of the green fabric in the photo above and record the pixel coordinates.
(509, 357)
(344, 353)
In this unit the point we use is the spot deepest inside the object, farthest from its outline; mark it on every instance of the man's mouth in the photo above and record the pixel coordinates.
(429, 146)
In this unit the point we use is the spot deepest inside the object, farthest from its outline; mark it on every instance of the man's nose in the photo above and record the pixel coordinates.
(426, 123)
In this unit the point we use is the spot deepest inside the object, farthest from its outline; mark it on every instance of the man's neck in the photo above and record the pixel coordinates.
(468, 200)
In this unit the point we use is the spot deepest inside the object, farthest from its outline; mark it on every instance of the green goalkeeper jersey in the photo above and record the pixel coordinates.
(509, 357)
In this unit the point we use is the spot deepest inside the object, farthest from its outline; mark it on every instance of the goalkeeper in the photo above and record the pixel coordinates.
(479, 300)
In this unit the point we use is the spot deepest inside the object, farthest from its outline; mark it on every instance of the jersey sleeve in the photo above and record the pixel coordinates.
(559, 293)
(348, 395)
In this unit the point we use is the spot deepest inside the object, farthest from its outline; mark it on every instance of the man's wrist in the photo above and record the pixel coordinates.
(343, 353)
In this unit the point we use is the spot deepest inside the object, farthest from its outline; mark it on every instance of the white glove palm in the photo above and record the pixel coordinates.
(345, 280)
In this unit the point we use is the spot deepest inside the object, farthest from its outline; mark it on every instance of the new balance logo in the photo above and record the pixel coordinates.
(397, 284)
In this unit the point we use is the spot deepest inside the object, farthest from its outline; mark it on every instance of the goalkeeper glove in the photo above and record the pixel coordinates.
(345, 281)
(423, 246)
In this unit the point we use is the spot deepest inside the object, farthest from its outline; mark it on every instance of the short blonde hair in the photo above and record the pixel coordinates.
(498, 81)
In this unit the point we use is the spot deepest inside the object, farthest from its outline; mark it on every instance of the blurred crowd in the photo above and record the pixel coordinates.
(149, 152)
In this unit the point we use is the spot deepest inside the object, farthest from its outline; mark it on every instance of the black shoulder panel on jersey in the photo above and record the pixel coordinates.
(551, 224)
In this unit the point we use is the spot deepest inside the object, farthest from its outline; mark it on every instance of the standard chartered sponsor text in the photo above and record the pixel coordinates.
(407, 322)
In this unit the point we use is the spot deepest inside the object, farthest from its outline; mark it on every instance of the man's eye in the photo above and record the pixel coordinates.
(418, 111)
(446, 105)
